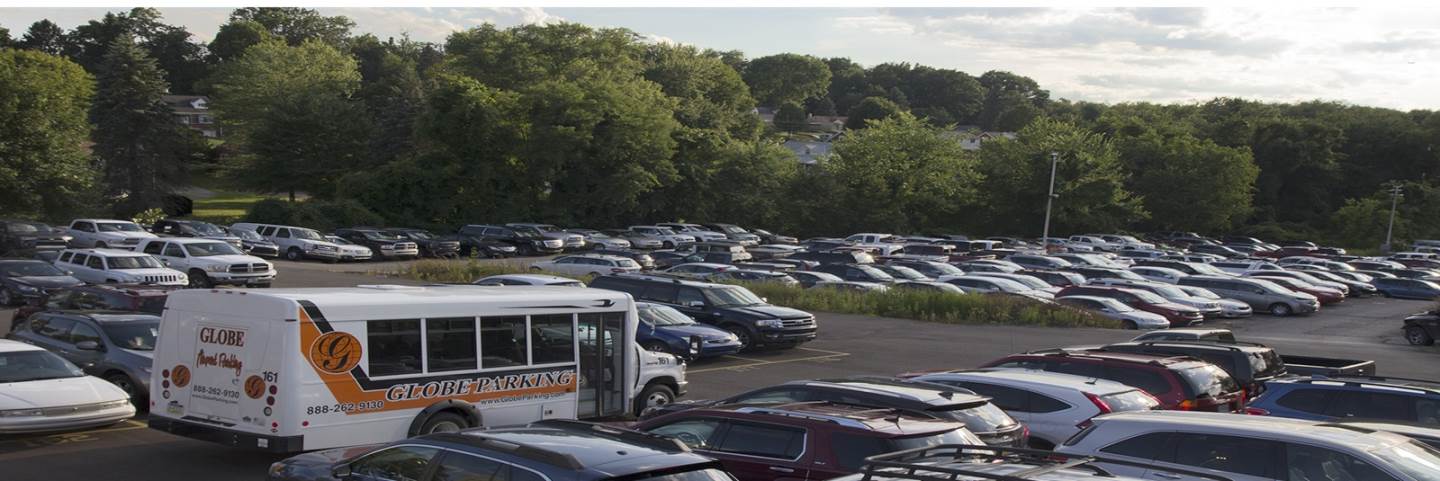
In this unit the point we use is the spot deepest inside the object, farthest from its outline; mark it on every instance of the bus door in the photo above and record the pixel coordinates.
(602, 364)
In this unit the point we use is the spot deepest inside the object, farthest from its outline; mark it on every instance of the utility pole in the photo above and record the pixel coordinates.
(1394, 199)
(1049, 199)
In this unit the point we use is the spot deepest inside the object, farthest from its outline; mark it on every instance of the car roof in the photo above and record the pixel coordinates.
(1423, 385)
(7, 345)
(538, 278)
(849, 416)
(1150, 359)
(116, 317)
(1035, 377)
(608, 257)
(1256, 427)
(113, 252)
(598, 450)
(183, 240)
(929, 394)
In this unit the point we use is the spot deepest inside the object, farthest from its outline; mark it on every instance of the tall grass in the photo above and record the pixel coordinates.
(940, 307)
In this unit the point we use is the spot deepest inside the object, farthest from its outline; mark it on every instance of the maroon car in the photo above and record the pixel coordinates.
(144, 299)
(1326, 295)
(1180, 383)
(1178, 315)
(803, 440)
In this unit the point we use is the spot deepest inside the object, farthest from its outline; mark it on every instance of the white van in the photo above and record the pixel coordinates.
(301, 369)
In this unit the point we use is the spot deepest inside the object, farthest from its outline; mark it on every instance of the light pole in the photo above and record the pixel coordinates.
(1394, 199)
(1049, 199)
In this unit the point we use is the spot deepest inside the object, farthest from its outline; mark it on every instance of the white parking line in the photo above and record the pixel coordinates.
(760, 362)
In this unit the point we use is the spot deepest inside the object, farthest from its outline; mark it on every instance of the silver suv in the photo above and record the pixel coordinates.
(1251, 448)
(957, 462)
(1260, 294)
(295, 243)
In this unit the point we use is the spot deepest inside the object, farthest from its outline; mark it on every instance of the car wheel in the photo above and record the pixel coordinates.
(1417, 336)
(742, 333)
(199, 280)
(6, 298)
(536, 269)
(656, 346)
(294, 254)
(124, 382)
(653, 396)
(1386, 294)
(1129, 325)
(444, 423)
(668, 245)
(1280, 309)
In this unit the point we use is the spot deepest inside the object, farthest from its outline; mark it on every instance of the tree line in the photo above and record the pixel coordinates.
(575, 125)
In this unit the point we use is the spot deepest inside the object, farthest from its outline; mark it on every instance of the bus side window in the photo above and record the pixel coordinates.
(554, 338)
(502, 342)
(394, 346)
(450, 344)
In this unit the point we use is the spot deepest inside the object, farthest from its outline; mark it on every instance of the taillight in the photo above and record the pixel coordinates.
(616, 270)
(1099, 403)
(1256, 411)
(1186, 405)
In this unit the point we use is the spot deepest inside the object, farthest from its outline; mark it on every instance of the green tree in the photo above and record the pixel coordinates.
(236, 36)
(1188, 183)
(791, 117)
(1362, 222)
(872, 108)
(786, 77)
(296, 25)
(292, 110)
(391, 89)
(1299, 166)
(1089, 182)
(1011, 101)
(44, 36)
(142, 150)
(44, 168)
(181, 61)
(5, 40)
(847, 83)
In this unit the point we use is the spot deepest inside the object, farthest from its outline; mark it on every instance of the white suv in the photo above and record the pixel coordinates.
(114, 266)
(106, 233)
(700, 232)
(295, 243)
(1094, 242)
(1252, 448)
(210, 262)
(588, 264)
(669, 239)
(1054, 406)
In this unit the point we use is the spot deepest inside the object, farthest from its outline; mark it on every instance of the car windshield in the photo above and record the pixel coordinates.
(132, 262)
(307, 234)
(21, 366)
(696, 475)
(31, 269)
(876, 274)
(1008, 285)
(117, 227)
(1208, 380)
(207, 249)
(1115, 305)
(139, 335)
(985, 418)
(1200, 292)
(664, 316)
(903, 272)
(1147, 297)
(1135, 400)
(732, 296)
(206, 228)
(1168, 291)
(27, 228)
(547, 228)
(664, 231)
(1031, 282)
(338, 240)
(377, 235)
(418, 234)
(735, 230)
(1413, 458)
(248, 235)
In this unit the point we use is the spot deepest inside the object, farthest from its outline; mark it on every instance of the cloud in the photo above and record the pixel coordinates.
(1169, 86)
(1395, 44)
(1181, 16)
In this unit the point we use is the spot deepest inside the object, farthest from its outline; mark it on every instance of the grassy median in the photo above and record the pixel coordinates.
(896, 303)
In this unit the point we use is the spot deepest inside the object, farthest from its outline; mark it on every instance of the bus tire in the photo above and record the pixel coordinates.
(444, 422)
(425, 422)
(654, 395)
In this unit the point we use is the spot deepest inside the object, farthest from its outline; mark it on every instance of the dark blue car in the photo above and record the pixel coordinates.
(1407, 288)
(1350, 398)
(664, 329)
(23, 280)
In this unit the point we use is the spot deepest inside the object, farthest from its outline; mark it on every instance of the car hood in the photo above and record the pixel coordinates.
(767, 311)
(57, 392)
(154, 271)
(48, 281)
(705, 332)
(128, 235)
(229, 259)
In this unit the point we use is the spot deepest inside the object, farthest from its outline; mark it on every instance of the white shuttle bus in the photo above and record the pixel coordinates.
(290, 370)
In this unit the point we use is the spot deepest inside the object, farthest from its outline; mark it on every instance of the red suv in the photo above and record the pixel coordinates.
(1179, 383)
(146, 299)
(1178, 315)
(805, 440)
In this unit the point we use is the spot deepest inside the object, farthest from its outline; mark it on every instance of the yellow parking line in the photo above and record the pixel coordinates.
(757, 363)
(77, 436)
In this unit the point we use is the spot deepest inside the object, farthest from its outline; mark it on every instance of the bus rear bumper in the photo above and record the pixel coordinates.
(229, 437)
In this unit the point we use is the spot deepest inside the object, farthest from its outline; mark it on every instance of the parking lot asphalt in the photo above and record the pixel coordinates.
(848, 345)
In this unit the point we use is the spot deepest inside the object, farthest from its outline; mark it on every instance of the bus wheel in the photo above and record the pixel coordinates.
(654, 395)
(444, 422)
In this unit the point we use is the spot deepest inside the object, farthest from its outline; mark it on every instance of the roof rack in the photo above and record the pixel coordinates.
(653, 441)
(1428, 384)
(483, 436)
(782, 411)
(919, 464)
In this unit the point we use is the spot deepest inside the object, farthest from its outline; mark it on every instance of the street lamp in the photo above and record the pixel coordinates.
(1049, 199)
(1394, 199)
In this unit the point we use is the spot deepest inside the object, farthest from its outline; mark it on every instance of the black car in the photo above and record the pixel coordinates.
(1422, 329)
(24, 280)
(767, 237)
(856, 273)
(252, 243)
(550, 450)
(931, 269)
(501, 241)
(430, 244)
(931, 400)
(665, 259)
(384, 244)
(1251, 364)
(794, 263)
(1218, 250)
(646, 260)
(732, 308)
(1056, 278)
(23, 237)
(194, 228)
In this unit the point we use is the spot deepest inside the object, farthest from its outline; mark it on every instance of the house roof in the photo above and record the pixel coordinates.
(187, 104)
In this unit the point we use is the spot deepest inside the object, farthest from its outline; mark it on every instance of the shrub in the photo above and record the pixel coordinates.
(322, 215)
(149, 217)
(269, 211)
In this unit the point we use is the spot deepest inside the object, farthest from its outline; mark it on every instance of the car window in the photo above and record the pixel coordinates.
(83, 332)
(153, 248)
(1373, 405)
(696, 433)
(173, 250)
(660, 293)
(1310, 463)
(1306, 400)
(1141, 447)
(57, 328)
(763, 440)
(1151, 381)
(95, 262)
(851, 450)
(1230, 454)
(689, 295)
(282, 233)
(1040, 403)
(405, 463)
(1007, 398)
(462, 467)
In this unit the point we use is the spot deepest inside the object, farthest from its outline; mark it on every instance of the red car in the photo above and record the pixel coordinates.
(1326, 295)
(804, 440)
(1178, 315)
(1180, 383)
(145, 299)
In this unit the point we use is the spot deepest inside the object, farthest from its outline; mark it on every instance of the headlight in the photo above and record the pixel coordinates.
(506, 248)
(27, 288)
(769, 323)
(217, 268)
(67, 238)
(325, 248)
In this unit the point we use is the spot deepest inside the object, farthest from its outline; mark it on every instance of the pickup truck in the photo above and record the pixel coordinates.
(1325, 366)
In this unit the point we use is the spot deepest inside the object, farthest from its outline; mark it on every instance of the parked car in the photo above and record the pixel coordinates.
(208, 263)
(882, 244)
(549, 450)
(587, 264)
(1305, 277)
(252, 243)
(973, 283)
(105, 233)
(1056, 278)
(1191, 268)
(669, 239)
(808, 279)
(852, 286)
(1028, 281)
(383, 244)
(527, 280)
(1159, 274)
(767, 237)
(735, 233)
(1178, 314)
(1421, 329)
(1052, 406)
(491, 240)
(1251, 364)
(1207, 334)
(295, 243)
(113, 266)
(735, 251)
(1125, 241)
(1408, 288)
(429, 244)
(22, 281)
(1179, 383)
(195, 228)
(1039, 262)
(933, 401)
(1093, 242)
(754, 275)
(1325, 295)
(22, 237)
(667, 259)
(44, 392)
(1376, 265)
(1343, 398)
(637, 239)
(1129, 317)
(115, 347)
(928, 286)
(1218, 250)
(665, 329)
(646, 260)
(600, 240)
(801, 440)
(568, 240)
(144, 299)
(901, 273)
(1208, 308)
(1356, 288)
(1251, 448)
(699, 232)
(1260, 294)
(350, 251)
(772, 251)
(1092, 274)
(820, 258)
(695, 270)
(732, 308)
(1229, 308)
(856, 272)
(985, 265)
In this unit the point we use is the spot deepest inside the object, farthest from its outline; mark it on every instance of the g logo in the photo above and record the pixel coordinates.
(180, 376)
(335, 352)
(254, 387)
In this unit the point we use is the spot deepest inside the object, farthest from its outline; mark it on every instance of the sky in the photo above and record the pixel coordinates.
(1378, 56)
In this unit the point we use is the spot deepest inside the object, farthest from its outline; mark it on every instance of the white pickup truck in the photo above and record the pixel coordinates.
(210, 262)
(886, 244)
(106, 234)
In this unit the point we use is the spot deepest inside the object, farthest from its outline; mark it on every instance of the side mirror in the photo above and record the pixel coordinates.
(88, 346)
(696, 304)
(764, 299)
(340, 471)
